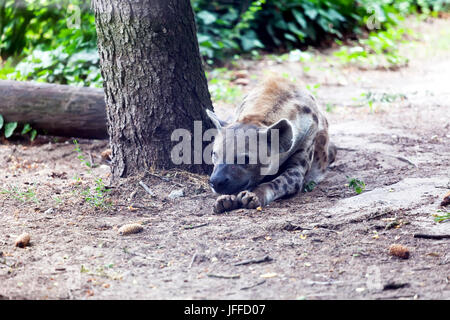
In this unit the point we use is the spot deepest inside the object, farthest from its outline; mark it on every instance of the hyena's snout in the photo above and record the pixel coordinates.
(219, 183)
(228, 179)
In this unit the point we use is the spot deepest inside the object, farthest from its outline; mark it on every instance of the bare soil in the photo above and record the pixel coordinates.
(330, 243)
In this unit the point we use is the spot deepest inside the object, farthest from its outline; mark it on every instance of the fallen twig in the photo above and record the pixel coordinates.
(346, 149)
(146, 188)
(252, 261)
(195, 227)
(223, 276)
(192, 260)
(404, 160)
(395, 286)
(255, 285)
(432, 236)
(413, 296)
(91, 160)
(292, 227)
(165, 179)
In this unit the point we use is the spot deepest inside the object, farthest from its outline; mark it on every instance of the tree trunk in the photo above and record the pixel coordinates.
(153, 79)
(55, 109)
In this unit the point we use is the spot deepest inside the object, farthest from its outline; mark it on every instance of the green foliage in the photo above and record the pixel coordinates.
(59, 42)
(379, 50)
(10, 127)
(55, 40)
(80, 154)
(22, 196)
(97, 196)
(357, 185)
(221, 87)
(291, 23)
(224, 27)
(443, 217)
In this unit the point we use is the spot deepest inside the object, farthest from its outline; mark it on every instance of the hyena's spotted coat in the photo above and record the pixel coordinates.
(305, 150)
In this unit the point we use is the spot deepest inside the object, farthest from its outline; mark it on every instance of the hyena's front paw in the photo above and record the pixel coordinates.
(249, 200)
(226, 203)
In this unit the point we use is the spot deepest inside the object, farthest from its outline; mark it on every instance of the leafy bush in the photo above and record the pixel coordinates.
(290, 23)
(225, 27)
(58, 66)
(39, 42)
(59, 42)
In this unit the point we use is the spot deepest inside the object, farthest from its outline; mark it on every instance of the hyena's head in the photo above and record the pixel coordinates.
(244, 153)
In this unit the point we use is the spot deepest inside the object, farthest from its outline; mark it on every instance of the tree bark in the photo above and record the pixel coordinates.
(55, 109)
(153, 79)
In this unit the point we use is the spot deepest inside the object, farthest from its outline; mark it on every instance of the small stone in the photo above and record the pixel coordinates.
(176, 194)
(49, 211)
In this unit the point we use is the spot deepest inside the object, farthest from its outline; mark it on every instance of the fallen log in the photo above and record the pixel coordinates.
(58, 110)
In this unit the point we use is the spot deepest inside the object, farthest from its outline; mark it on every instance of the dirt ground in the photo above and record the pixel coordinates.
(326, 244)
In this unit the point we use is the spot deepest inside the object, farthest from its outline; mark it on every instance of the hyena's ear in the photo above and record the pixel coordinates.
(217, 122)
(285, 134)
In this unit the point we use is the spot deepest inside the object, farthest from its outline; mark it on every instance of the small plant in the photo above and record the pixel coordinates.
(80, 155)
(10, 127)
(329, 107)
(96, 197)
(313, 88)
(309, 187)
(357, 185)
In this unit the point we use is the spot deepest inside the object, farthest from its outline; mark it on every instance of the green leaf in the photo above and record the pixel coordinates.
(9, 129)
(1, 121)
(33, 134)
(299, 17)
(207, 17)
(26, 128)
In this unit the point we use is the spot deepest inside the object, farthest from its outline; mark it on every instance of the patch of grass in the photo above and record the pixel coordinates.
(379, 50)
(23, 196)
(97, 197)
(221, 87)
(443, 217)
(371, 98)
(329, 107)
(313, 88)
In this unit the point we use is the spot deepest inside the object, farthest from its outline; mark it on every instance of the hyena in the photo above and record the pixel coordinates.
(302, 154)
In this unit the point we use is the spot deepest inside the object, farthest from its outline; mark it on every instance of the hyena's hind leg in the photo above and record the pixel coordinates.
(324, 154)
